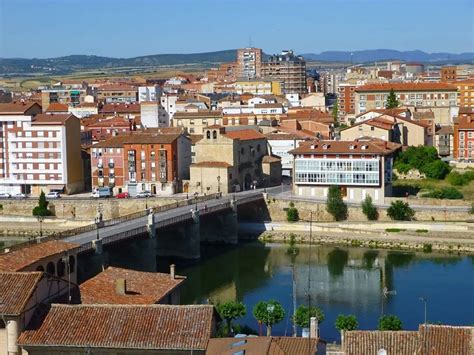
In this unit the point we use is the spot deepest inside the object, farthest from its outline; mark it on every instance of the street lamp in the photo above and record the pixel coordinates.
(264, 185)
(40, 220)
(196, 200)
(270, 308)
(218, 184)
(97, 223)
(146, 201)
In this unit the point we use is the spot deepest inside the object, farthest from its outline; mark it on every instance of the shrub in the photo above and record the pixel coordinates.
(303, 314)
(390, 323)
(42, 208)
(422, 230)
(427, 248)
(369, 209)
(292, 214)
(231, 310)
(400, 211)
(458, 179)
(335, 205)
(394, 230)
(424, 159)
(436, 169)
(446, 193)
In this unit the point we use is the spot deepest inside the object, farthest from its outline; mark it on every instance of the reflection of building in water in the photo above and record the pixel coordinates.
(348, 282)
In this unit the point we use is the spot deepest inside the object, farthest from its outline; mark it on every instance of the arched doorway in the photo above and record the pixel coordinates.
(50, 268)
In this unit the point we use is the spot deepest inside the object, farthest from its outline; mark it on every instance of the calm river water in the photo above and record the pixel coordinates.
(342, 280)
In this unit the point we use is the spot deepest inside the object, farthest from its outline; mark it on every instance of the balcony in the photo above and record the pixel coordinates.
(111, 165)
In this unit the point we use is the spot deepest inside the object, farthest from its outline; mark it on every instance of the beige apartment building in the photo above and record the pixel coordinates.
(195, 120)
(228, 161)
(289, 69)
(249, 63)
(440, 98)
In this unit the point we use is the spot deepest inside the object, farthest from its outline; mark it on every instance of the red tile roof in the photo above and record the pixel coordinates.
(17, 260)
(16, 107)
(116, 87)
(270, 159)
(120, 108)
(57, 107)
(48, 119)
(212, 164)
(370, 342)
(385, 87)
(137, 138)
(359, 146)
(465, 123)
(151, 327)
(244, 134)
(142, 287)
(15, 291)
(445, 339)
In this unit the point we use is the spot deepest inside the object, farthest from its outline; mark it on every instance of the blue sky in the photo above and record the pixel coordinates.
(128, 28)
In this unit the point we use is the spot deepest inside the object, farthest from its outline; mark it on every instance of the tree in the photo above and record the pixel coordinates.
(303, 314)
(335, 111)
(344, 323)
(369, 209)
(392, 101)
(292, 214)
(335, 205)
(231, 310)
(436, 169)
(400, 211)
(269, 313)
(42, 208)
(390, 323)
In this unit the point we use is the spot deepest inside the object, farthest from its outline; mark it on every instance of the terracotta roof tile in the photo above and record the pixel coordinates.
(200, 114)
(16, 107)
(142, 287)
(152, 327)
(57, 107)
(244, 134)
(120, 108)
(360, 146)
(47, 119)
(370, 342)
(292, 346)
(445, 339)
(465, 123)
(270, 159)
(385, 87)
(15, 291)
(17, 260)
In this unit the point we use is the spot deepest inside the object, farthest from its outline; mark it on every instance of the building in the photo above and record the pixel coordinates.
(127, 110)
(429, 339)
(315, 100)
(444, 141)
(345, 99)
(122, 329)
(84, 110)
(149, 93)
(440, 98)
(228, 161)
(227, 72)
(71, 95)
(123, 286)
(391, 128)
(258, 87)
(465, 93)
(281, 143)
(119, 93)
(142, 161)
(289, 69)
(360, 167)
(153, 115)
(40, 152)
(449, 73)
(463, 135)
(249, 63)
(195, 120)
(102, 129)
(21, 295)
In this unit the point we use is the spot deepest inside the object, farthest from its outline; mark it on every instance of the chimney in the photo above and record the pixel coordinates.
(172, 271)
(121, 286)
(313, 328)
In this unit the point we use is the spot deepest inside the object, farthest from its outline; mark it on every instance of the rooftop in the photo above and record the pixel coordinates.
(141, 287)
(244, 134)
(16, 107)
(57, 107)
(360, 146)
(48, 119)
(424, 86)
(212, 164)
(121, 108)
(137, 137)
(16, 290)
(160, 327)
(17, 260)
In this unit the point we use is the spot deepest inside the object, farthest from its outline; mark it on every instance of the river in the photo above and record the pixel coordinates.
(343, 280)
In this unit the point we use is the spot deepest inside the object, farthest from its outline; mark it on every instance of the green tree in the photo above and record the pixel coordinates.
(400, 211)
(303, 314)
(344, 323)
(292, 250)
(335, 111)
(369, 209)
(269, 313)
(392, 101)
(292, 214)
(436, 169)
(42, 208)
(231, 310)
(335, 205)
(390, 322)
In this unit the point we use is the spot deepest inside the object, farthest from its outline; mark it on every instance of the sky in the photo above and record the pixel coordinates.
(129, 28)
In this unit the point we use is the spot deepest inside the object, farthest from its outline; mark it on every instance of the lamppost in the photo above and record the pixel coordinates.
(218, 184)
(97, 223)
(146, 201)
(196, 200)
(270, 309)
(40, 220)
(264, 185)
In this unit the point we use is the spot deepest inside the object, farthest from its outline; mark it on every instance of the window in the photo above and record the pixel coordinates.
(214, 134)
(208, 134)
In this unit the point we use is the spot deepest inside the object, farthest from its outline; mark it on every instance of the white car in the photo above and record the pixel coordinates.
(53, 195)
(144, 194)
(5, 195)
(19, 195)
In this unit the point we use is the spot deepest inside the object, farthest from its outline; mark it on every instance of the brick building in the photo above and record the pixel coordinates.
(249, 63)
(345, 99)
(289, 69)
(463, 135)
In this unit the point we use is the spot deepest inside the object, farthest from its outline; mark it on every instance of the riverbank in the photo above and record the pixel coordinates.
(444, 237)
(24, 227)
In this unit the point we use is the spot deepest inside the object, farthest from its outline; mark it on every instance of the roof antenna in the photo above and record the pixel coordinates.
(250, 41)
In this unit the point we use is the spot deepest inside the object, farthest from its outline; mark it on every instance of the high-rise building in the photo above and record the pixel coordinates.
(289, 69)
(249, 63)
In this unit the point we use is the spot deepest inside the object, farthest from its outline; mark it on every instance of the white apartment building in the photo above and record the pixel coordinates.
(153, 115)
(168, 102)
(149, 93)
(39, 151)
(281, 143)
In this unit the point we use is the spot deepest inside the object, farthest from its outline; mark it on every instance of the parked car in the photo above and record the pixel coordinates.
(19, 195)
(123, 195)
(53, 195)
(5, 195)
(101, 192)
(144, 194)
